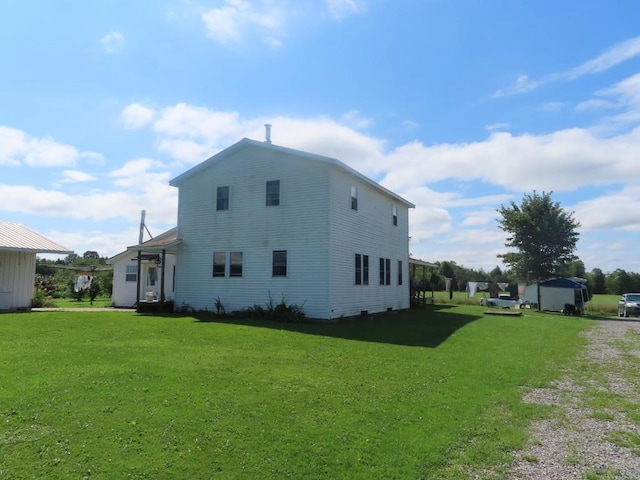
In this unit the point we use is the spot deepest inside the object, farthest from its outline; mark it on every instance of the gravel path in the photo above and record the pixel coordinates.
(583, 443)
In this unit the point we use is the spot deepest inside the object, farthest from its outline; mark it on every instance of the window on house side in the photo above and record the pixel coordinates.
(354, 197)
(235, 264)
(222, 198)
(388, 271)
(395, 216)
(279, 263)
(273, 193)
(365, 269)
(219, 264)
(131, 275)
(385, 271)
(399, 272)
(358, 269)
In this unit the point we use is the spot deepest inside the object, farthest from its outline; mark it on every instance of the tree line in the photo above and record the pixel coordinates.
(612, 283)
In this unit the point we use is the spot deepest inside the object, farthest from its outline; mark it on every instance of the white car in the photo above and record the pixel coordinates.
(629, 304)
(501, 302)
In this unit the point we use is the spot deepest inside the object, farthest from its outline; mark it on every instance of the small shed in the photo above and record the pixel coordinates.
(558, 295)
(18, 248)
(148, 269)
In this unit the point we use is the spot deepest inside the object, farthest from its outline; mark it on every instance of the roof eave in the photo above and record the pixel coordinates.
(35, 250)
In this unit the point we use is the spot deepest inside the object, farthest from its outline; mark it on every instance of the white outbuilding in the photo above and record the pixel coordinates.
(18, 248)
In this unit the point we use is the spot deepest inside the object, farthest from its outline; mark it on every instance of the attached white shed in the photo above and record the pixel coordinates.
(18, 249)
(153, 279)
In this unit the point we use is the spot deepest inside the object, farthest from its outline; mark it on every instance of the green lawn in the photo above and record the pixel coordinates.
(430, 393)
(84, 303)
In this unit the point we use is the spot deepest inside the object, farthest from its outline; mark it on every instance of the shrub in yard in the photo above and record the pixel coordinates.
(278, 312)
(41, 298)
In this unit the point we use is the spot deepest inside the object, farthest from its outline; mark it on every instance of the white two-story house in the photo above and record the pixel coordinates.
(260, 222)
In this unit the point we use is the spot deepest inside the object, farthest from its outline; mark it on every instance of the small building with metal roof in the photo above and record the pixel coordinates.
(18, 248)
(148, 269)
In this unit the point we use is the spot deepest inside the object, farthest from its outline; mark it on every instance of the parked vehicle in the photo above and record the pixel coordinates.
(502, 301)
(629, 304)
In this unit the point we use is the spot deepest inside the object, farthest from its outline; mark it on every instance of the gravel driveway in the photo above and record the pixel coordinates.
(592, 437)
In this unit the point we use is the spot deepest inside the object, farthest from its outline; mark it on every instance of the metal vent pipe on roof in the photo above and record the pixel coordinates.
(267, 132)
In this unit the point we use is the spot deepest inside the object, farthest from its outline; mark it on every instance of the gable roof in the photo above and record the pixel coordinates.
(246, 142)
(165, 241)
(15, 237)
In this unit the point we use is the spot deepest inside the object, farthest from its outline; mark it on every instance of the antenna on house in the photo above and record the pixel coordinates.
(267, 132)
(142, 227)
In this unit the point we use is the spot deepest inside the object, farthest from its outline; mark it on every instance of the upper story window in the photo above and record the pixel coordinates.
(279, 263)
(395, 216)
(222, 198)
(273, 193)
(354, 197)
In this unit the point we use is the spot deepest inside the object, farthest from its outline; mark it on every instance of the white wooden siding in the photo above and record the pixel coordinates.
(298, 225)
(367, 231)
(17, 277)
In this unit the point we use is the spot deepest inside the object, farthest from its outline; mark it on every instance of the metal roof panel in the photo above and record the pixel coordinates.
(18, 238)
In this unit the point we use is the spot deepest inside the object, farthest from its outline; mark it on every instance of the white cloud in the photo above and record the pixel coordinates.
(340, 9)
(18, 148)
(136, 116)
(113, 42)
(353, 119)
(552, 106)
(76, 176)
(496, 126)
(521, 85)
(141, 174)
(563, 160)
(615, 55)
(595, 104)
(610, 212)
(238, 18)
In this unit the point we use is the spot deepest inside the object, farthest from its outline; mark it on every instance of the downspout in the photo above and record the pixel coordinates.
(138, 279)
(164, 258)
(140, 238)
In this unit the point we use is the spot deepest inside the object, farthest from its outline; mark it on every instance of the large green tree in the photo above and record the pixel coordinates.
(543, 234)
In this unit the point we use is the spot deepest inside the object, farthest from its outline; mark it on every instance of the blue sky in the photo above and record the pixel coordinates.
(459, 106)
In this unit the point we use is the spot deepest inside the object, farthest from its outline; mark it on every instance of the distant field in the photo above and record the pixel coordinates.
(427, 393)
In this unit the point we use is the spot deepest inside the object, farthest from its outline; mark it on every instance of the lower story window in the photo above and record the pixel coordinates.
(362, 269)
(219, 264)
(131, 274)
(279, 268)
(385, 271)
(235, 264)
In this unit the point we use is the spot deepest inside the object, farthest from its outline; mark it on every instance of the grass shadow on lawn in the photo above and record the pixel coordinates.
(426, 326)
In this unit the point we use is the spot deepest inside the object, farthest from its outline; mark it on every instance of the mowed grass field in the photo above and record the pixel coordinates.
(428, 393)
